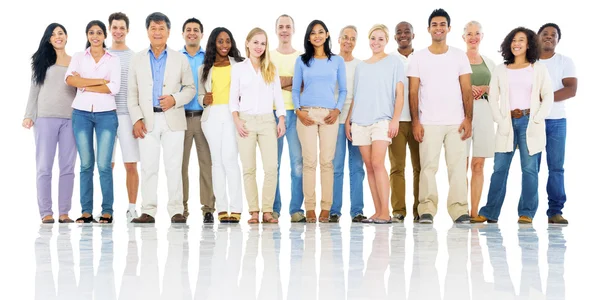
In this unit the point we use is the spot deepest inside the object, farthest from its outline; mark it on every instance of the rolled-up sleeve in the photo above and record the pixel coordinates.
(114, 84)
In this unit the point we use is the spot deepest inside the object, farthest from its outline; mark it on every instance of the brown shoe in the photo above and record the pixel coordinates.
(525, 220)
(557, 219)
(178, 218)
(482, 219)
(144, 218)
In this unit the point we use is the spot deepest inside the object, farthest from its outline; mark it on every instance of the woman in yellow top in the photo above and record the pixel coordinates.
(217, 122)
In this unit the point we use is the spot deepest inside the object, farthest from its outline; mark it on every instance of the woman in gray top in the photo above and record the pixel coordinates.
(375, 115)
(49, 108)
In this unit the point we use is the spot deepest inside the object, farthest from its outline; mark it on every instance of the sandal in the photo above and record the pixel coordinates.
(324, 216)
(235, 217)
(48, 221)
(253, 218)
(88, 219)
(104, 220)
(311, 217)
(223, 217)
(268, 218)
(65, 220)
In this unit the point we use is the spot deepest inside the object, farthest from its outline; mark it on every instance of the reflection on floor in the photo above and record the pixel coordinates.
(323, 261)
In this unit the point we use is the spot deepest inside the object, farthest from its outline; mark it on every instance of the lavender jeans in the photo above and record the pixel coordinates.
(48, 133)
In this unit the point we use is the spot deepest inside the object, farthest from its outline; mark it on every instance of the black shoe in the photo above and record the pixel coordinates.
(426, 219)
(464, 219)
(358, 218)
(334, 218)
(208, 218)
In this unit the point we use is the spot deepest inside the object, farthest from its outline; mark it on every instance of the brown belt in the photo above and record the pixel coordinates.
(518, 113)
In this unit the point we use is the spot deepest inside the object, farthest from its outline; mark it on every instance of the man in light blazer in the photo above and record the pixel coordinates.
(160, 84)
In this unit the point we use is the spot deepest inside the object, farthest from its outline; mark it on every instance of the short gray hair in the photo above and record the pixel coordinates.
(475, 23)
(348, 27)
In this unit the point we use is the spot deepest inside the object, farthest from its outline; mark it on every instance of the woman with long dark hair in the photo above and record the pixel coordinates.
(96, 73)
(318, 70)
(521, 97)
(255, 90)
(49, 108)
(217, 122)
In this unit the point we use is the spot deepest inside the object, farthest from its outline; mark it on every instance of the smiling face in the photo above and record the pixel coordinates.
(518, 46)
(438, 28)
(223, 44)
(473, 36)
(284, 29)
(257, 45)
(347, 40)
(118, 31)
(96, 36)
(318, 36)
(192, 34)
(158, 33)
(377, 41)
(58, 38)
(549, 38)
(404, 35)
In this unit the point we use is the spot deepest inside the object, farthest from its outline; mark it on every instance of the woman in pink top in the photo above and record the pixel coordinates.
(96, 73)
(520, 97)
(255, 90)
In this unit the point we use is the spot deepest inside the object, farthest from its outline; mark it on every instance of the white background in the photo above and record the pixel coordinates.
(25, 22)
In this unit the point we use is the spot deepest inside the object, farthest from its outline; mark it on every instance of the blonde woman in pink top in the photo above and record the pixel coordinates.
(520, 97)
(96, 73)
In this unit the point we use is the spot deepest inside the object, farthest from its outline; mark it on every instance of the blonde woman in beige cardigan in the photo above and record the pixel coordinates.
(520, 97)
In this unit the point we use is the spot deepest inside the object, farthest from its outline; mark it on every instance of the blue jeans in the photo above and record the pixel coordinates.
(295, 151)
(357, 175)
(530, 167)
(105, 124)
(556, 137)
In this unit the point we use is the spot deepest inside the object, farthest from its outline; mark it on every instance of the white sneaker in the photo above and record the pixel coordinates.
(131, 215)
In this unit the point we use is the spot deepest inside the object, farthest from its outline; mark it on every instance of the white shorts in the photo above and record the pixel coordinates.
(366, 135)
(130, 149)
(483, 138)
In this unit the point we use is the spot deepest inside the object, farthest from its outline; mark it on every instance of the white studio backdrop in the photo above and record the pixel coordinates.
(25, 22)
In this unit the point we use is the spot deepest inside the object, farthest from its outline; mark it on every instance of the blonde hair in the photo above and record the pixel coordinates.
(382, 28)
(267, 68)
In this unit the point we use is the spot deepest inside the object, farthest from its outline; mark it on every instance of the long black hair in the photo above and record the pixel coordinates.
(309, 49)
(102, 27)
(533, 51)
(211, 50)
(45, 56)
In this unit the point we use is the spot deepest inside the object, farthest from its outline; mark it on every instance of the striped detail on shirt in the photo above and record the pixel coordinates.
(121, 97)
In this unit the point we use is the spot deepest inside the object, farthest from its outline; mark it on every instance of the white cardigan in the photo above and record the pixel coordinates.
(542, 97)
(206, 87)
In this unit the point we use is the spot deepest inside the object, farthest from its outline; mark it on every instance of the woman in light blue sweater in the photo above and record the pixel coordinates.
(316, 72)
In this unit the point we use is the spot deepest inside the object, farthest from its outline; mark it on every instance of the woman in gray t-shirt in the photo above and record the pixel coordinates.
(49, 108)
(375, 114)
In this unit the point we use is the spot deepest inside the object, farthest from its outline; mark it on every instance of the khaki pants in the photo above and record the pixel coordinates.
(326, 134)
(456, 160)
(262, 131)
(397, 153)
(194, 133)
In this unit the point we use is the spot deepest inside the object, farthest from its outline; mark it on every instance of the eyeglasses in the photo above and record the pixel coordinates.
(347, 38)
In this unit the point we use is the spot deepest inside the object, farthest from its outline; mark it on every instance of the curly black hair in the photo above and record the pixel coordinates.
(211, 51)
(533, 47)
(551, 25)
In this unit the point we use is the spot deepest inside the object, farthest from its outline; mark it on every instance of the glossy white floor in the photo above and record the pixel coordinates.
(303, 261)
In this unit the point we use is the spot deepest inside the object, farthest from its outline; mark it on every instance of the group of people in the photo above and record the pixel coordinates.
(228, 105)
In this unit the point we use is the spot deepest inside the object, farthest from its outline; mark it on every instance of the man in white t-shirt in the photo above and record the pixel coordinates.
(564, 81)
(441, 109)
(397, 149)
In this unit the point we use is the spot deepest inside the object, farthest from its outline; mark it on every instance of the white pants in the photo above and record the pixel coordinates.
(172, 145)
(220, 133)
